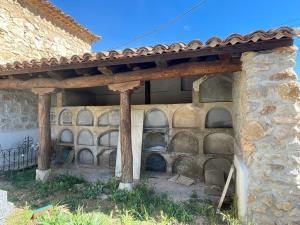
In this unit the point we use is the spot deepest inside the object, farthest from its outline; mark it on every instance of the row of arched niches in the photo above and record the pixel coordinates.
(195, 141)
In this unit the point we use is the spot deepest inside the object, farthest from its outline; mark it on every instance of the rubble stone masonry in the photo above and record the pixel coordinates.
(26, 35)
(267, 122)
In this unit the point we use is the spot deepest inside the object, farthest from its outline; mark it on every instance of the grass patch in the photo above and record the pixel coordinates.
(84, 201)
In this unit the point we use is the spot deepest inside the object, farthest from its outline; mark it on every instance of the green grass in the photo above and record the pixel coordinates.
(138, 206)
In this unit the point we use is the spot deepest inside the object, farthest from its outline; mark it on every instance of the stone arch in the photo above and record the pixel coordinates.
(85, 157)
(156, 118)
(111, 118)
(65, 117)
(154, 141)
(184, 142)
(186, 116)
(109, 138)
(85, 118)
(186, 166)
(66, 136)
(218, 118)
(85, 137)
(218, 143)
(216, 170)
(217, 88)
(156, 163)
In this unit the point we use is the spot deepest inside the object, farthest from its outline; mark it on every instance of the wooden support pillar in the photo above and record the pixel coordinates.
(125, 90)
(44, 152)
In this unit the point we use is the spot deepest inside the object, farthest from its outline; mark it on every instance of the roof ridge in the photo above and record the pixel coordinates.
(62, 19)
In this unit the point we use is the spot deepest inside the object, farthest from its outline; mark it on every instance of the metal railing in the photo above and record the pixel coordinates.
(23, 156)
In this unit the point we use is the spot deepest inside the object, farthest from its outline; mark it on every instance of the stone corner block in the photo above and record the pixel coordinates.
(42, 175)
(125, 186)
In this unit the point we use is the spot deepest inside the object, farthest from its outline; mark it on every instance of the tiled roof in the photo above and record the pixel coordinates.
(58, 16)
(233, 39)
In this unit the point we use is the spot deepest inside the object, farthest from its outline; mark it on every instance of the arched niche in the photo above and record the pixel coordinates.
(154, 141)
(85, 157)
(156, 163)
(218, 143)
(85, 137)
(66, 136)
(187, 116)
(85, 118)
(111, 118)
(186, 166)
(218, 118)
(184, 142)
(65, 117)
(216, 88)
(156, 118)
(109, 139)
(216, 171)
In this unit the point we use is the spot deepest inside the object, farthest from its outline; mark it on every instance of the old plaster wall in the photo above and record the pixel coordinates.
(177, 139)
(26, 35)
(266, 114)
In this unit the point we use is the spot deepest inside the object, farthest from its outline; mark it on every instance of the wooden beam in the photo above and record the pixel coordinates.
(181, 70)
(233, 49)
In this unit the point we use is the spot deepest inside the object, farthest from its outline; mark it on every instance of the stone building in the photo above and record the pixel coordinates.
(186, 108)
(32, 30)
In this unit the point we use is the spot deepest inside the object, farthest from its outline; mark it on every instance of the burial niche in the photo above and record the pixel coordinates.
(109, 139)
(217, 88)
(85, 157)
(218, 118)
(111, 118)
(156, 163)
(156, 118)
(85, 137)
(187, 116)
(112, 159)
(66, 136)
(186, 166)
(216, 171)
(85, 118)
(218, 143)
(184, 142)
(65, 117)
(154, 141)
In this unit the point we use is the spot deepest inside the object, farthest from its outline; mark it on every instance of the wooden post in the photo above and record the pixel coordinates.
(125, 90)
(44, 152)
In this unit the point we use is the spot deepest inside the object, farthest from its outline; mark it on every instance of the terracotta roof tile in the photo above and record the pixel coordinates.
(233, 39)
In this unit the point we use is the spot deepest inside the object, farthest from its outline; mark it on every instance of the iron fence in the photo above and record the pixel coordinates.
(24, 155)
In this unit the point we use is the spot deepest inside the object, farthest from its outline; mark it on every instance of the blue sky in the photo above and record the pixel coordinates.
(118, 21)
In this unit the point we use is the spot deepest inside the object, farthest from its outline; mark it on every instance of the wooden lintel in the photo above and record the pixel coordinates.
(180, 70)
(43, 91)
(105, 70)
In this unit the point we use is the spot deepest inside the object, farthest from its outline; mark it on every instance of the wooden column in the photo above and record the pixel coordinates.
(44, 104)
(125, 90)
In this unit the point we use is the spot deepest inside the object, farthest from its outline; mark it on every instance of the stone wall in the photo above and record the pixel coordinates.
(26, 35)
(267, 115)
